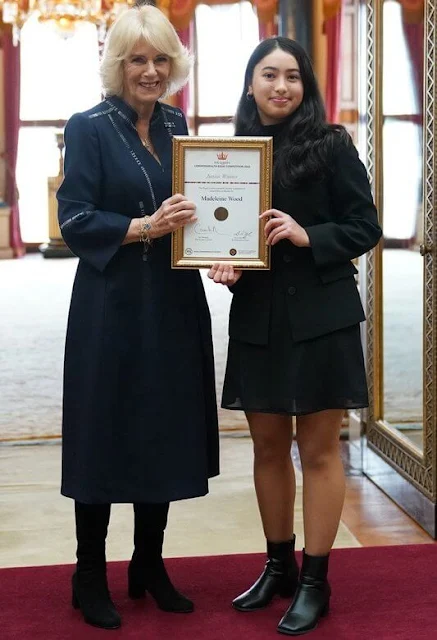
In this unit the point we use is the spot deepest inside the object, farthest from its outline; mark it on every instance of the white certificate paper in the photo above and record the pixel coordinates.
(229, 180)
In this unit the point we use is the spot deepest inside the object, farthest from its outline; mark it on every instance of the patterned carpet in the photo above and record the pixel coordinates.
(403, 336)
(35, 295)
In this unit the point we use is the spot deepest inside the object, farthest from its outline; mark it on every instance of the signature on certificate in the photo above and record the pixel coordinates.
(243, 234)
(201, 230)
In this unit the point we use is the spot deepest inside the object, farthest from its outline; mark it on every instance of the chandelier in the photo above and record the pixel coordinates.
(63, 14)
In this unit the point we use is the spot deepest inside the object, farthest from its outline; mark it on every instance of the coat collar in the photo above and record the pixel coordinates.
(129, 113)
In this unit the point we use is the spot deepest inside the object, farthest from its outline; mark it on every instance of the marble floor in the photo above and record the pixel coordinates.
(37, 527)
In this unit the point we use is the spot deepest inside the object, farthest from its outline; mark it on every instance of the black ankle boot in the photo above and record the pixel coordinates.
(312, 597)
(146, 571)
(280, 577)
(90, 591)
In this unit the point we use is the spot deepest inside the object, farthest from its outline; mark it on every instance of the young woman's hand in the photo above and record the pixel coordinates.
(281, 226)
(175, 212)
(224, 273)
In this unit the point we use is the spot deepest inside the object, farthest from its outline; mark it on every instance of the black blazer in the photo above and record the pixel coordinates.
(342, 223)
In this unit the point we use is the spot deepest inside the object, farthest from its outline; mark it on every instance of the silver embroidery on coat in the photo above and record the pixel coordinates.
(82, 214)
(137, 160)
(102, 113)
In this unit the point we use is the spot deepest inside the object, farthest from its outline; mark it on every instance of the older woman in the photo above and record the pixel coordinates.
(139, 418)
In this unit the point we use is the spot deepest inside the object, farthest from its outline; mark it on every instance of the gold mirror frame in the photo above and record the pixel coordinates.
(417, 467)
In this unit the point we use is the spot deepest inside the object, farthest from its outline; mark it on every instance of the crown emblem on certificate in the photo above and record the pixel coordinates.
(222, 155)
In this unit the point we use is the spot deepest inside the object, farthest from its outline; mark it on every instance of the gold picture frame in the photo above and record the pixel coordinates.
(230, 181)
(407, 467)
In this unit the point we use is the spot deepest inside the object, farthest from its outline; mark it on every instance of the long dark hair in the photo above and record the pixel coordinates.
(307, 139)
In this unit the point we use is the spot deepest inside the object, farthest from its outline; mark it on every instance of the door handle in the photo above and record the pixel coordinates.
(424, 249)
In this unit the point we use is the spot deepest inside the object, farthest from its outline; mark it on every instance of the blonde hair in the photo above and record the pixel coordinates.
(143, 23)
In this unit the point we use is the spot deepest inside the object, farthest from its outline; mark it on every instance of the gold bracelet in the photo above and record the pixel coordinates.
(145, 228)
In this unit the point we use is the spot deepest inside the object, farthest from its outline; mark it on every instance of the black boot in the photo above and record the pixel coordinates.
(280, 577)
(312, 598)
(146, 570)
(89, 582)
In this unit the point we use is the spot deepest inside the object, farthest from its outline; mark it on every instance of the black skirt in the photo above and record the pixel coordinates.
(292, 378)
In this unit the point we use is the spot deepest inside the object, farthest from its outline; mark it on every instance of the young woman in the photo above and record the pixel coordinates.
(295, 346)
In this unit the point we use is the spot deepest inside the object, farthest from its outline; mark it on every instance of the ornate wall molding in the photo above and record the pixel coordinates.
(420, 470)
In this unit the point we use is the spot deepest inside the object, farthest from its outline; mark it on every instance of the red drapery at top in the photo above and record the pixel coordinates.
(412, 17)
(413, 20)
(414, 8)
(332, 14)
(11, 74)
(180, 12)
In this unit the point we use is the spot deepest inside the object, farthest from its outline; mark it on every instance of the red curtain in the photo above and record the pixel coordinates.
(182, 97)
(267, 29)
(415, 35)
(332, 29)
(11, 74)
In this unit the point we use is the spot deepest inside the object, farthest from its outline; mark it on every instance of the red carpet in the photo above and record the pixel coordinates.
(379, 593)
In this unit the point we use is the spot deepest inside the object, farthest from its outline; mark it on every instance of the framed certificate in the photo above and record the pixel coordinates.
(229, 180)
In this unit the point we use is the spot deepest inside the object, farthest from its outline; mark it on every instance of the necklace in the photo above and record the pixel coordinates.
(146, 143)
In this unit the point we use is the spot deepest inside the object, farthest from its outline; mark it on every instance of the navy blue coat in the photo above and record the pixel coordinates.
(139, 414)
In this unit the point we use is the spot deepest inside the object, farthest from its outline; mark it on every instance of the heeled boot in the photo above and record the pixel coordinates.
(90, 591)
(146, 571)
(280, 577)
(312, 597)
